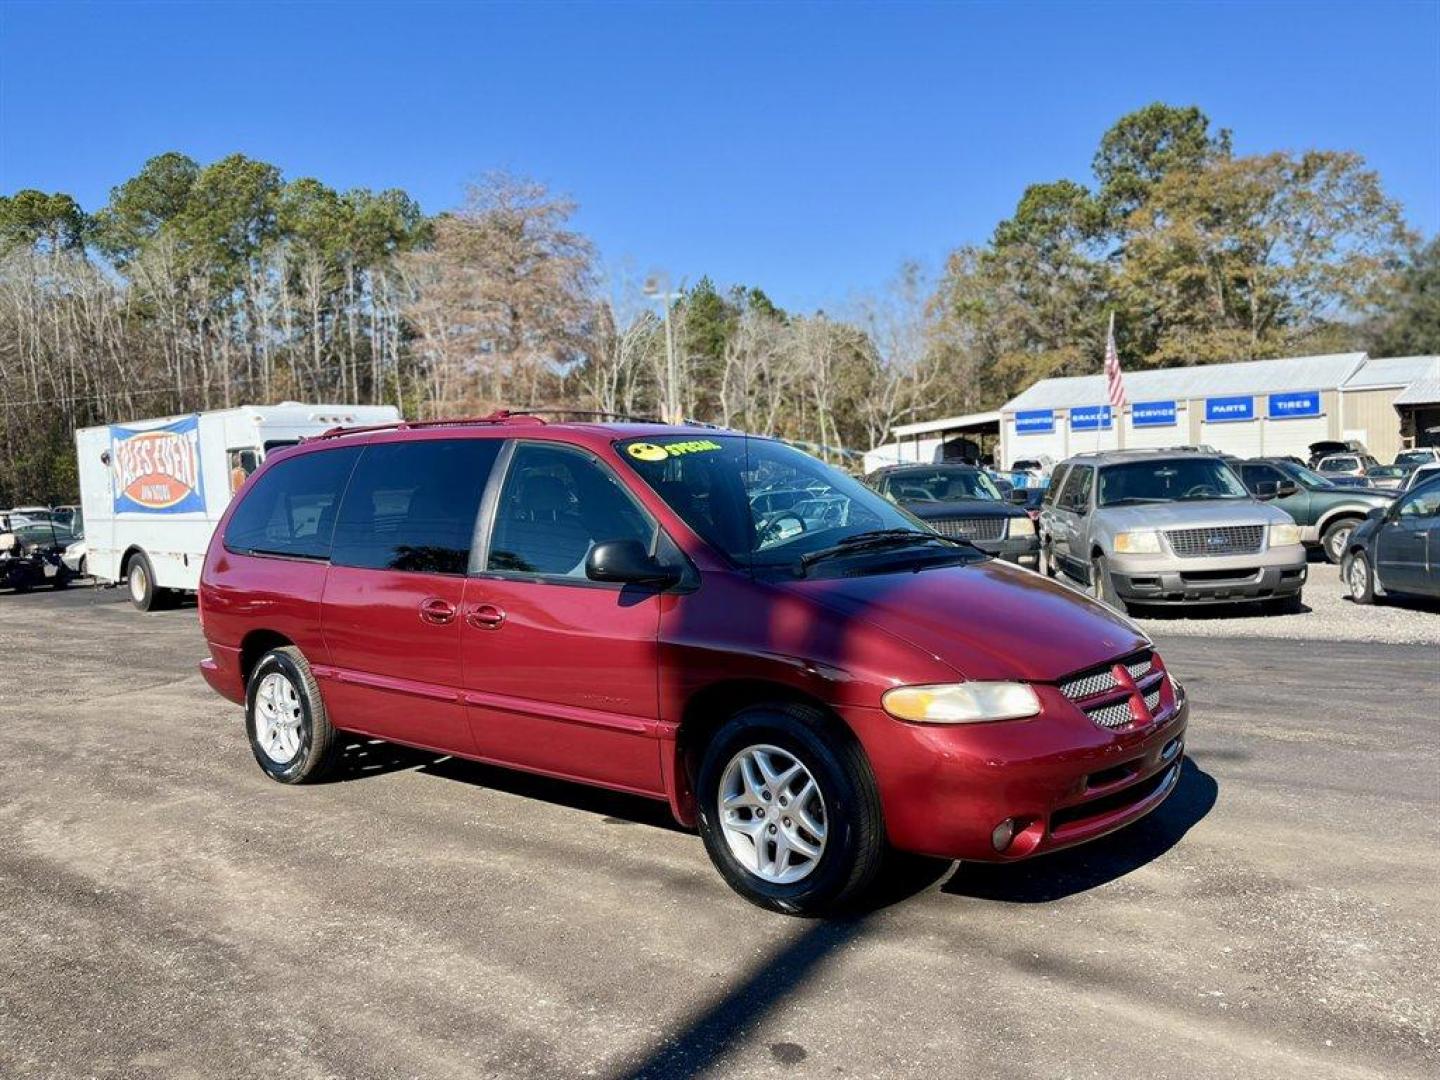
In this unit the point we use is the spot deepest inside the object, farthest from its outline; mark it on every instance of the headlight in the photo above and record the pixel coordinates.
(1283, 535)
(1138, 543)
(961, 703)
(1022, 526)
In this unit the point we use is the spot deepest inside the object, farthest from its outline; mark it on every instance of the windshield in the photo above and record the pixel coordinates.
(1414, 457)
(760, 502)
(1305, 477)
(941, 485)
(1168, 480)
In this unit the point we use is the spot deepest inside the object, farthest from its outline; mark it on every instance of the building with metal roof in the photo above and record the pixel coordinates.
(1249, 408)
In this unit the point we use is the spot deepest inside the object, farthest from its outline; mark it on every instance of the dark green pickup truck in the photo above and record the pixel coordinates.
(1324, 512)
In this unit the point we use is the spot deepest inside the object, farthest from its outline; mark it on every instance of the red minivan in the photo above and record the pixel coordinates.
(807, 674)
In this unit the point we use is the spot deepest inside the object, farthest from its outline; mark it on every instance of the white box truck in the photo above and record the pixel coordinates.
(153, 490)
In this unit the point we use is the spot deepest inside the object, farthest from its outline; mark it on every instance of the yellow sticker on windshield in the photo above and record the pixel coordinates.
(646, 451)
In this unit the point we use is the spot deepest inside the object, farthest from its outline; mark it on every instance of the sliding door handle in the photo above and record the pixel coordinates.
(437, 611)
(485, 617)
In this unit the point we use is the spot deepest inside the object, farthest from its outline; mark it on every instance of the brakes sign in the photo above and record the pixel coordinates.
(157, 470)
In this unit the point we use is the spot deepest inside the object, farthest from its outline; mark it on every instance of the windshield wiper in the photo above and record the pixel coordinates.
(1131, 500)
(876, 539)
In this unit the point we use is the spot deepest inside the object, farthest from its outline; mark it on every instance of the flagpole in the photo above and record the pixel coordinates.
(1109, 337)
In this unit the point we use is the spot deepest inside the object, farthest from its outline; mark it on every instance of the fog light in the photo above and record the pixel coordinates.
(1003, 834)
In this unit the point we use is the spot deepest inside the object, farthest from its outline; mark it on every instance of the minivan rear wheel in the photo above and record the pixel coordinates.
(285, 719)
(789, 810)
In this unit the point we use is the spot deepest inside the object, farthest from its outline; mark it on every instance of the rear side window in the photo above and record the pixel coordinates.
(1056, 483)
(291, 508)
(412, 505)
(1075, 495)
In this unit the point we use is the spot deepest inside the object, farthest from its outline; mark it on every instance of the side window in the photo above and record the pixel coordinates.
(1425, 503)
(241, 463)
(1057, 481)
(291, 509)
(1076, 493)
(556, 504)
(1254, 474)
(412, 505)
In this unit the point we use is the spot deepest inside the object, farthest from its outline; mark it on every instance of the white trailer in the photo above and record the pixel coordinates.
(153, 490)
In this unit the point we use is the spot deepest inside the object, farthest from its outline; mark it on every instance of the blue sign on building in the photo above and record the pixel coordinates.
(1035, 422)
(1220, 410)
(1296, 403)
(1153, 414)
(1090, 418)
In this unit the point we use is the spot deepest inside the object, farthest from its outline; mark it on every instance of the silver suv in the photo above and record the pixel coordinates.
(1167, 527)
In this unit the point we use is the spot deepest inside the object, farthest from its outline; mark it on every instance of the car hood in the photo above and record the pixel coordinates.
(954, 508)
(988, 620)
(1350, 495)
(1203, 513)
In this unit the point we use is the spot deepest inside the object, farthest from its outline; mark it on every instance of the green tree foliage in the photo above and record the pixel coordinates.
(1203, 256)
(1408, 320)
(32, 219)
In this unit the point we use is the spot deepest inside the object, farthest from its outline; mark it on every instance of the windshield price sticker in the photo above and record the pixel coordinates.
(649, 451)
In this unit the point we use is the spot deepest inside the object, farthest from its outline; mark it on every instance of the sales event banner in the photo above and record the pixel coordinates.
(1221, 410)
(1153, 414)
(1035, 422)
(157, 470)
(1300, 403)
(1090, 418)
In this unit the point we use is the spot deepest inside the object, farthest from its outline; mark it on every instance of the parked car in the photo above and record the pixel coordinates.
(1334, 466)
(1419, 455)
(75, 558)
(1326, 447)
(1161, 527)
(963, 502)
(1397, 549)
(1325, 512)
(599, 603)
(72, 517)
(1387, 477)
(1422, 474)
(30, 553)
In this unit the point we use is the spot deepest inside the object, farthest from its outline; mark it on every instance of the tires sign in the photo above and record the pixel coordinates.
(1285, 406)
(157, 470)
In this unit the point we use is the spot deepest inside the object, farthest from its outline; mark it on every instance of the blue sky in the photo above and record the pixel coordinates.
(808, 149)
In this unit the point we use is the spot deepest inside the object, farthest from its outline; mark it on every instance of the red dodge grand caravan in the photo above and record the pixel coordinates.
(803, 671)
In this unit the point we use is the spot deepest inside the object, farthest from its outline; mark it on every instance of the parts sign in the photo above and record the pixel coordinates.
(157, 470)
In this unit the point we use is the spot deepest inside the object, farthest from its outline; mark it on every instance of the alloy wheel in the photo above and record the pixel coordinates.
(771, 814)
(1338, 539)
(1359, 577)
(278, 718)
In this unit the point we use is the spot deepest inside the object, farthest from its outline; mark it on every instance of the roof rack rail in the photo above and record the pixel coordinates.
(500, 416)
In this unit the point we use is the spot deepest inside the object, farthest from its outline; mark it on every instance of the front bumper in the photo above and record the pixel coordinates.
(1060, 777)
(1164, 579)
(1024, 550)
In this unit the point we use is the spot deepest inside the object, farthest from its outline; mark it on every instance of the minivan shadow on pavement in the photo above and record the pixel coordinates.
(1075, 870)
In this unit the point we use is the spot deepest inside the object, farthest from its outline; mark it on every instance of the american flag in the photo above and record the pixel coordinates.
(1114, 379)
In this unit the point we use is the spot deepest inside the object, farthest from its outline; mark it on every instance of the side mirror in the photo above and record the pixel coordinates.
(1019, 496)
(1267, 489)
(628, 563)
(1286, 488)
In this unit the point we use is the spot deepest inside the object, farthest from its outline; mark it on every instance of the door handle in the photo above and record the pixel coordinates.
(485, 617)
(437, 611)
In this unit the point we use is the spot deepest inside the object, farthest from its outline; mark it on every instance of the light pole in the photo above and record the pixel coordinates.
(658, 287)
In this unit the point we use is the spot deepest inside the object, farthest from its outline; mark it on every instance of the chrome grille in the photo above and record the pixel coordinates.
(1139, 668)
(986, 528)
(1089, 685)
(1216, 540)
(1152, 700)
(1112, 716)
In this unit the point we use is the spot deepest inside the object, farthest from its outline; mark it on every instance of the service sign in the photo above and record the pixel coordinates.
(157, 470)
(1153, 414)
(1299, 403)
(1222, 410)
(1035, 422)
(1090, 418)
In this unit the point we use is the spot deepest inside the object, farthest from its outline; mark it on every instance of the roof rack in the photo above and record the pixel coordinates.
(500, 416)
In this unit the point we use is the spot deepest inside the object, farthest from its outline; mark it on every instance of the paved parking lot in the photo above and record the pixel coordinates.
(166, 911)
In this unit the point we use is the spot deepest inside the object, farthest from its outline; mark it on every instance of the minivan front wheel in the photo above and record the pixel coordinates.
(789, 810)
(285, 719)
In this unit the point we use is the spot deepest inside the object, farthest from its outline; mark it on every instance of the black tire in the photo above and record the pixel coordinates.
(1336, 538)
(140, 580)
(1046, 562)
(61, 580)
(1102, 588)
(854, 848)
(317, 745)
(1360, 578)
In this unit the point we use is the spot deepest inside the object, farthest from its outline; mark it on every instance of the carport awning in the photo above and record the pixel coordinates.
(1420, 392)
(980, 423)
